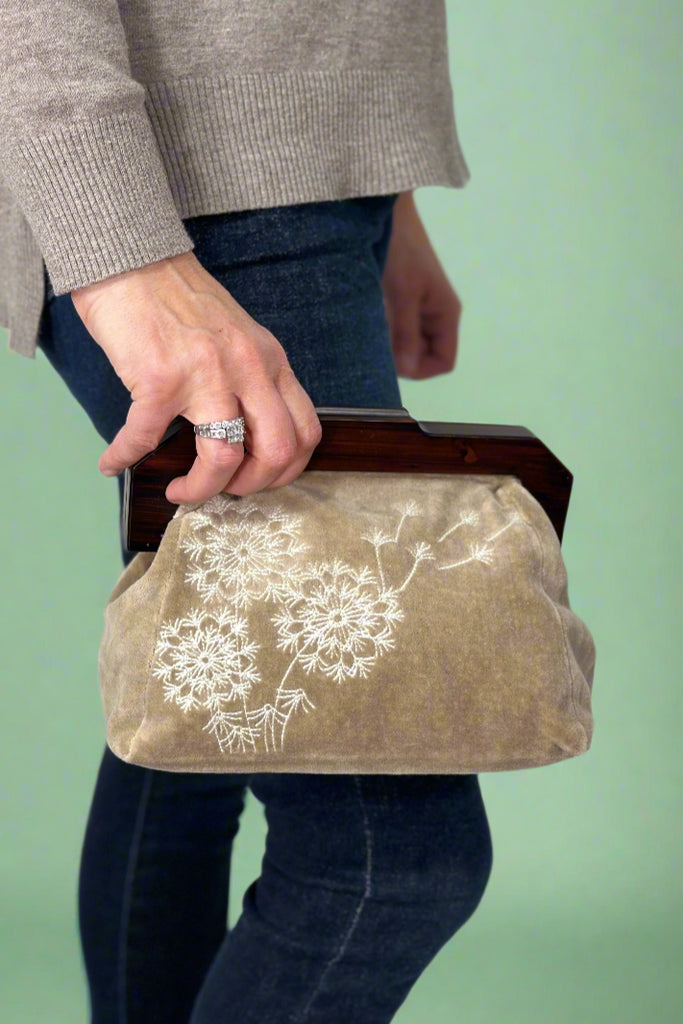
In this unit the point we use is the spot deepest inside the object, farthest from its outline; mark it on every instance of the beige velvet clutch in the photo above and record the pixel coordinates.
(350, 622)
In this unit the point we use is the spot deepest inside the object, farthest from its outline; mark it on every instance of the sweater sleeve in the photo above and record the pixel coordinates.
(77, 149)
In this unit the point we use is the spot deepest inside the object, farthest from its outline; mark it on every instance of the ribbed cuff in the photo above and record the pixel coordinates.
(97, 198)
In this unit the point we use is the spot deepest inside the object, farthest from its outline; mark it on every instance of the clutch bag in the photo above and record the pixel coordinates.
(401, 607)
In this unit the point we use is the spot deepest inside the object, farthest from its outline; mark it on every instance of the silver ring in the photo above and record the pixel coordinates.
(231, 431)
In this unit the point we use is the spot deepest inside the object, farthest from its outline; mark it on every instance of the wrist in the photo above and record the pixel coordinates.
(84, 296)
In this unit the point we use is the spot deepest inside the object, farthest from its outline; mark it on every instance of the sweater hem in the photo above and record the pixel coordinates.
(105, 196)
(232, 143)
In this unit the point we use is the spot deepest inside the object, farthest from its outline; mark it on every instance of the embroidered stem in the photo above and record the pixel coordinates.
(451, 530)
(292, 663)
(379, 567)
(244, 699)
(463, 561)
(246, 719)
(410, 575)
(398, 529)
(515, 519)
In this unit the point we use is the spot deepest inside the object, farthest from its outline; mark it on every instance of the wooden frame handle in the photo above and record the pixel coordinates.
(376, 440)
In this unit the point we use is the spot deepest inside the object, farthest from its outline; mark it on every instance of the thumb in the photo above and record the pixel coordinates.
(141, 433)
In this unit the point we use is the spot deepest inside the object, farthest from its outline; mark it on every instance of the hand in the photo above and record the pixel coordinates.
(183, 346)
(422, 308)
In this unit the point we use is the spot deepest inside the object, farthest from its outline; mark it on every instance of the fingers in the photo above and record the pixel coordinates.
(283, 432)
(404, 326)
(210, 472)
(439, 339)
(145, 425)
(424, 334)
(182, 345)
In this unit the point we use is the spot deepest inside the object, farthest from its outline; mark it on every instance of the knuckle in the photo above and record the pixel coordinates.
(249, 358)
(311, 433)
(145, 438)
(280, 454)
(285, 376)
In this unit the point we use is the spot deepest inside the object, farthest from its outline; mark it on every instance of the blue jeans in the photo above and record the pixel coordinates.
(365, 877)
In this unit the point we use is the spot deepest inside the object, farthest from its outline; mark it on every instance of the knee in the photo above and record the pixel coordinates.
(461, 875)
(433, 894)
(446, 860)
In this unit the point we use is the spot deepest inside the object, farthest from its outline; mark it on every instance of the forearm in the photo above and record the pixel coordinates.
(77, 149)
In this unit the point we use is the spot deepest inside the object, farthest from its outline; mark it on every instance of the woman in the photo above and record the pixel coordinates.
(220, 200)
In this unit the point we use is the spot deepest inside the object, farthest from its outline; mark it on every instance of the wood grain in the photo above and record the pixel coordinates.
(376, 440)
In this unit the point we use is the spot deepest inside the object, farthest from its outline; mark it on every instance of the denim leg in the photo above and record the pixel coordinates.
(364, 879)
(153, 888)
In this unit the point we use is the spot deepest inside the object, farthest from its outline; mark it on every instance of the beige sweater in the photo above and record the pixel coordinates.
(119, 118)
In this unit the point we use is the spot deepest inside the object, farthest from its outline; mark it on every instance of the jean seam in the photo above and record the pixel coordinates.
(128, 894)
(356, 916)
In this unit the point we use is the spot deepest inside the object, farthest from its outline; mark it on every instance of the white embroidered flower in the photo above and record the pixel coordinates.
(421, 551)
(205, 660)
(240, 552)
(337, 620)
(379, 537)
(481, 553)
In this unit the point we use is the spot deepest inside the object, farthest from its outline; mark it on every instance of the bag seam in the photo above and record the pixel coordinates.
(568, 661)
(153, 646)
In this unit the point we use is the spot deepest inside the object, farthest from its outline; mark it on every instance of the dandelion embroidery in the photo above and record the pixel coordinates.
(240, 552)
(482, 552)
(330, 619)
(337, 621)
(205, 660)
(291, 700)
(421, 552)
(378, 538)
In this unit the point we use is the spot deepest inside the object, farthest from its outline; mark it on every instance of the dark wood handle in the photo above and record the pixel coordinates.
(376, 440)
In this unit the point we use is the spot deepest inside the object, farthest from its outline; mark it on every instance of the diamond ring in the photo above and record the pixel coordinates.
(231, 431)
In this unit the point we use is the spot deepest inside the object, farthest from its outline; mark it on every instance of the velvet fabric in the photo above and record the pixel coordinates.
(350, 622)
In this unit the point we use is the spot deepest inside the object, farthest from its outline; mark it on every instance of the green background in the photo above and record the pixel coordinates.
(565, 248)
